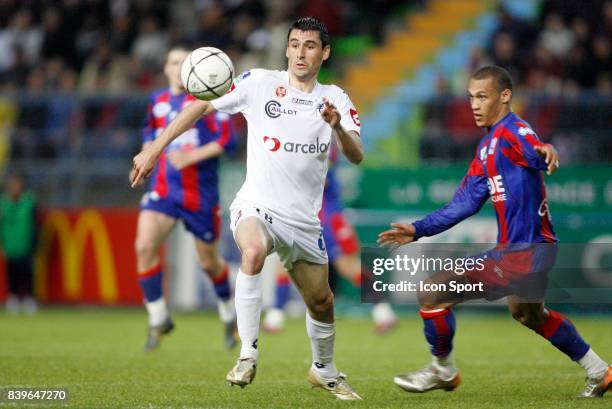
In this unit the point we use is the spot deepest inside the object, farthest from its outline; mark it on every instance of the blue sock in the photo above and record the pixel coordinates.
(151, 283)
(439, 330)
(560, 332)
(222, 285)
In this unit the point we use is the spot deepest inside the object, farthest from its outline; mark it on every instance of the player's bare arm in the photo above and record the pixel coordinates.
(399, 234)
(348, 141)
(145, 161)
(182, 159)
(550, 156)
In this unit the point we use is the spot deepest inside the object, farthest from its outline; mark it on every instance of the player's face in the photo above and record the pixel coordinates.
(488, 104)
(172, 68)
(305, 53)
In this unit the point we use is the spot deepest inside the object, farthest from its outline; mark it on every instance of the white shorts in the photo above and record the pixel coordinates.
(290, 243)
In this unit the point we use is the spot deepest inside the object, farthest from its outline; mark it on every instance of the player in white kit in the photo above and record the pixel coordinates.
(291, 122)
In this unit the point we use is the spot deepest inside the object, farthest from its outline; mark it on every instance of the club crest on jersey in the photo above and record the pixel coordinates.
(273, 144)
(355, 117)
(281, 91)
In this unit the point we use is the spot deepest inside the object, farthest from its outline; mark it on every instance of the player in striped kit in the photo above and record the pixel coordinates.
(508, 169)
(184, 186)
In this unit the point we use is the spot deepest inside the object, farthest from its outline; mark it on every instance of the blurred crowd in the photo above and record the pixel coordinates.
(101, 57)
(120, 45)
(566, 50)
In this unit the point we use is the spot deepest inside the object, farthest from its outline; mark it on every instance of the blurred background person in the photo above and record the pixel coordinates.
(18, 239)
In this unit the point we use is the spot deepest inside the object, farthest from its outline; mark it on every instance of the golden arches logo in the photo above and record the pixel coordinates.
(71, 241)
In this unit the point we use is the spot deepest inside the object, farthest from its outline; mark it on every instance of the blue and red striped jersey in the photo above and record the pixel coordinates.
(195, 187)
(507, 169)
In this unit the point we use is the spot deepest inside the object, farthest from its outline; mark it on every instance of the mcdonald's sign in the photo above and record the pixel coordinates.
(87, 256)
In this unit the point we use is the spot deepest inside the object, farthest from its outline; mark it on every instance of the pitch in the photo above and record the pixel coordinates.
(96, 354)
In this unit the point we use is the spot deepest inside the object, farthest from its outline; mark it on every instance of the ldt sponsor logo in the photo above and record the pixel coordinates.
(274, 144)
(274, 109)
(300, 101)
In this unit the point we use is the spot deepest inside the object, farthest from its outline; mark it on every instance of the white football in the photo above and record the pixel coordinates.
(207, 73)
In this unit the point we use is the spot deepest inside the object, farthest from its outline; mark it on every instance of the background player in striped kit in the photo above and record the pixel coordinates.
(507, 168)
(184, 186)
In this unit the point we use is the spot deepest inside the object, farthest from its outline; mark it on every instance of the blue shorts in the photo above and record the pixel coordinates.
(515, 269)
(204, 224)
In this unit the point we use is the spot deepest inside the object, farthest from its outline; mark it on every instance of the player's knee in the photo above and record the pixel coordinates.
(145, 250)
(428, 299)
(253, 257)
(532, 321)
(209, 264)
(321, 303)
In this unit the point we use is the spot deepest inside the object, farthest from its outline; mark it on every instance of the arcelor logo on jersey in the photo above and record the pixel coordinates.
(274, 144)
(274, 109)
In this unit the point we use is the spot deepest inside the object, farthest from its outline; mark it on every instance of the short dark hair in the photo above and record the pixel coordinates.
(501, 76)
(311, 24)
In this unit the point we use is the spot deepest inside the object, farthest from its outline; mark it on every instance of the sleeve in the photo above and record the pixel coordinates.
(471, 195)
(349, 115)
(238, 99)
(523, 144)
(224, 136)
(148, 129)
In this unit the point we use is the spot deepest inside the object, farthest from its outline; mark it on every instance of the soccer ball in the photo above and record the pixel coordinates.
(207, 73)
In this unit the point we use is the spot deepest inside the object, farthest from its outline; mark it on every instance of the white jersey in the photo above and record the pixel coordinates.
(288, 141)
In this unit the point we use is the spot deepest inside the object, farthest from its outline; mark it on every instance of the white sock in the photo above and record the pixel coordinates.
(227, 310)
(158, 311)
(445, 365)
(594, 365)
(248, 310)
(322, 336)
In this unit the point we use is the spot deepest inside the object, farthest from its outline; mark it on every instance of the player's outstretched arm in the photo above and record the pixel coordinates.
(145, 161)
(349, 141)
(182, 159)
(399, 234)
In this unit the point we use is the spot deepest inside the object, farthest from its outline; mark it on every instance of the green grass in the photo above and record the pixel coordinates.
(96, 354)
